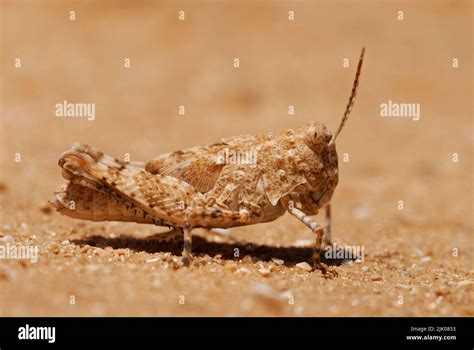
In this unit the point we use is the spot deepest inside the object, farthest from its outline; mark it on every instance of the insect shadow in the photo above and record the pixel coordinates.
(201, 246)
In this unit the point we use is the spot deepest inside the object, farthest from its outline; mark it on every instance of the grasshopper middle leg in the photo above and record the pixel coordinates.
(187, 243)
(208, 217)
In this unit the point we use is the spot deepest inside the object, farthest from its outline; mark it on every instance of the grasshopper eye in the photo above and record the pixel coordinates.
(315, 137)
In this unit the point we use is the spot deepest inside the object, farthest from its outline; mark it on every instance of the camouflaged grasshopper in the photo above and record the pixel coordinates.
(294, 171)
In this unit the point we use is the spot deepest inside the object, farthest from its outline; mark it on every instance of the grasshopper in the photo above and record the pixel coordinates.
(294, 171)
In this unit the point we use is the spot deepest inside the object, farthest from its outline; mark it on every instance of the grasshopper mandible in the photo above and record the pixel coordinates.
(294, 171)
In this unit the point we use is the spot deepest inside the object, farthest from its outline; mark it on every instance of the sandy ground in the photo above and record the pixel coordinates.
(418, 261)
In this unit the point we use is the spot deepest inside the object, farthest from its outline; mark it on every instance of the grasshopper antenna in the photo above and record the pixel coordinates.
(351, 99)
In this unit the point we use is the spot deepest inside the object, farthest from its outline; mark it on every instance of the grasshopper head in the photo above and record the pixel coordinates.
(317, 137)
(323, 162)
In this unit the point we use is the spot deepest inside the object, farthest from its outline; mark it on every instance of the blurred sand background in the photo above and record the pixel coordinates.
(110, 269)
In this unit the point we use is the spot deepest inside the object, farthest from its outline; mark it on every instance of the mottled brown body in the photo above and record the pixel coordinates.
(294, 171)
(287, 168)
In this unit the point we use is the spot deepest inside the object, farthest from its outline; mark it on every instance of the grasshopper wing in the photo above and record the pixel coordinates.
(198, 166)
(202, 166)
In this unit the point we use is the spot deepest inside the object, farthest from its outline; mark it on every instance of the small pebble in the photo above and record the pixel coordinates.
(404, 286)
(278, 261)
(304, 266)
(465, 283)
(86, 248)
(221, 231)
(303, 243)
(425, 258)
(418, 252)
(243, 270)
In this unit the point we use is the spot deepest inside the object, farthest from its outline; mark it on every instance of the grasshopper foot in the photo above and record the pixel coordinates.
(186, 260)
(325, 270)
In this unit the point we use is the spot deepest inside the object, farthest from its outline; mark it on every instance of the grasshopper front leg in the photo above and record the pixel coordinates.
(319, 231)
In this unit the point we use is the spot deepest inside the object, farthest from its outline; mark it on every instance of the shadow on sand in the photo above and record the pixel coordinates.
(201, 246)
